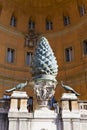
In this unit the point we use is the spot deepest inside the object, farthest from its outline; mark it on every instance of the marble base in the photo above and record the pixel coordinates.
(44, 119)
(44, 112)
(43, 124)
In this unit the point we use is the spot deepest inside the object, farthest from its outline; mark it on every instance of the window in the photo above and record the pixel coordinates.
(68, 54)
(82, 10)
(10, 55)
(13, 21)
(66, 20)
(28, 58)
(48, 25)
(31, 24)
(85, 47)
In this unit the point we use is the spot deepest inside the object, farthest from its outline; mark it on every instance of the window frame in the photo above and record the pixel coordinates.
(49, 25)
(31, 23)
(10, 55)
(13, 21)
(66, 20)
(82, 10)
(28, 58)
(69, 54)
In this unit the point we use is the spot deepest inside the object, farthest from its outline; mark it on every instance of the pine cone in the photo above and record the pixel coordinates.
(43, 61)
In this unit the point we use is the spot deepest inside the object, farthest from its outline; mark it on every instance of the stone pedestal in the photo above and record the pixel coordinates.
(70, 112)
(20, 120)
(18, 113)
(18, 102)
(69, 102)
(44, 119)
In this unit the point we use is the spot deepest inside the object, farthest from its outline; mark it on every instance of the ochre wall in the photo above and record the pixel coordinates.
(73, 73)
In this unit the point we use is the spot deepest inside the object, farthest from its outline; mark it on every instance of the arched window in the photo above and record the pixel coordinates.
(31, 23)
(82, 10)
(66, 17)
(49, 24)
(13, 21)
(81, 7)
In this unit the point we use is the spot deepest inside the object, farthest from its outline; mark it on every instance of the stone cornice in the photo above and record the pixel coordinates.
(11, 31)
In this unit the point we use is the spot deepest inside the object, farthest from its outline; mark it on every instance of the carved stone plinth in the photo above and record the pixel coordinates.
(44, 119)
(44, 90)
(70, 112)
(69, 102)
(18, 111)
(18, 102)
